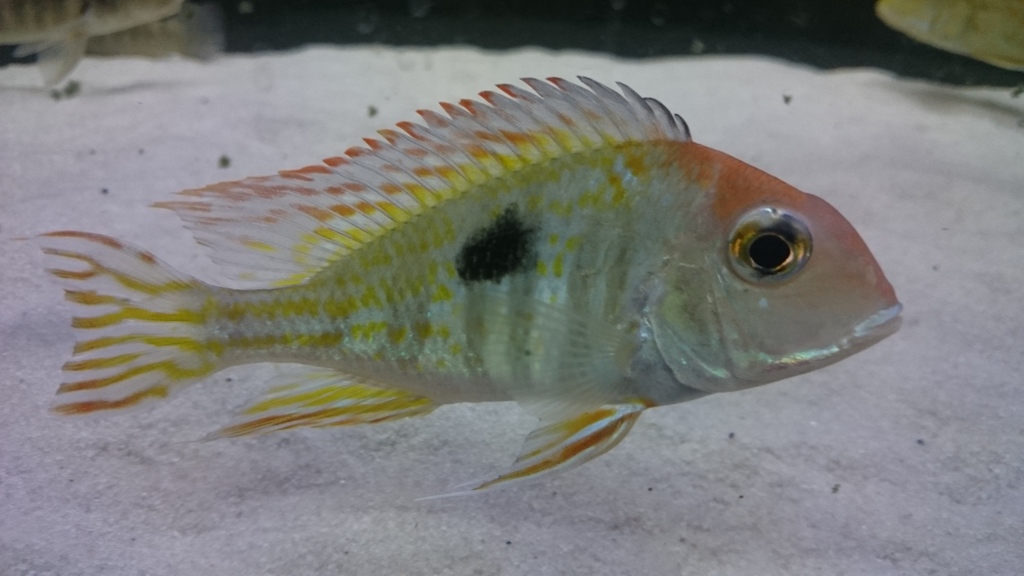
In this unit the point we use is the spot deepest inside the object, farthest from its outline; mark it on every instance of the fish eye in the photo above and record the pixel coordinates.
(769, 244)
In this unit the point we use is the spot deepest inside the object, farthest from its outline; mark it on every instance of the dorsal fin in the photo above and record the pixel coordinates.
(279, 230)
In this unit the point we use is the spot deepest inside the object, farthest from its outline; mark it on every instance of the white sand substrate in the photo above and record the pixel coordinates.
(905, 459)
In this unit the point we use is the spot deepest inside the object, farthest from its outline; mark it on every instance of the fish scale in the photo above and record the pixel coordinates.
(570, 249)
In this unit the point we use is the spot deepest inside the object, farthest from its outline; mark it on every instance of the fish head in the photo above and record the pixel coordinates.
(770, 283)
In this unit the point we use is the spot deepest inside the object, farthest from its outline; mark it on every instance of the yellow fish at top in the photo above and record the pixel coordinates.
(569, 248)
(989, 30)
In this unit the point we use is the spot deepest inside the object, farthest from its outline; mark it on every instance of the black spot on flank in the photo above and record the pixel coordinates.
(502, 248)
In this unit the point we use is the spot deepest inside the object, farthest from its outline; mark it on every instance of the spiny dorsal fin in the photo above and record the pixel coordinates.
(279, 230)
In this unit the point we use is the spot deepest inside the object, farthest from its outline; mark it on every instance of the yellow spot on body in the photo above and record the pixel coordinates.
(455, 350)
(533, 202)
(441, 293)
(542, 268)
(553, 239)
(397, 334)
(422, 329)
(556, 266)
(573, 243)
(618, 195)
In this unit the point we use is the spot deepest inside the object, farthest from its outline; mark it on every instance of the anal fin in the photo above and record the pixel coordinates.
(565, 444)
(321, 399)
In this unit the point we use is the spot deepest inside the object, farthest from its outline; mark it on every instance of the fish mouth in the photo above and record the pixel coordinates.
(879, 325)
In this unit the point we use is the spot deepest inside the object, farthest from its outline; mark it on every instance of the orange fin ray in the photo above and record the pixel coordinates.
(564, 445)
(279, 230)
(139, 325)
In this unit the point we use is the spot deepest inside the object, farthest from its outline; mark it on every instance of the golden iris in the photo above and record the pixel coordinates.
(769, 244)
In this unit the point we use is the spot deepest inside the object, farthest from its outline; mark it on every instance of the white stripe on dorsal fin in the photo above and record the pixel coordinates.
(279, 230)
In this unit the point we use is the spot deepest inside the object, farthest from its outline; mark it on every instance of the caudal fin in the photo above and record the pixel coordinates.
(140, 327)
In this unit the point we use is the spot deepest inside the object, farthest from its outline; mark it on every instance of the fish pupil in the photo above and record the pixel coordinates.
(769, 252)
(502, 248)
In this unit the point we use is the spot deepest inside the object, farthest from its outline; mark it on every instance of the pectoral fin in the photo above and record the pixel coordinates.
(58, 58)
(319, 399)
(566, 444)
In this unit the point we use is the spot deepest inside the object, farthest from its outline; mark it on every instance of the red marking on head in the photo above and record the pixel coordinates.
(335, 161)
(373, 143)
(356, 151)
(738, 186)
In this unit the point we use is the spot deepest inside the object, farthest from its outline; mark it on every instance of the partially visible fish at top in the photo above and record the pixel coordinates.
(58, 30)
(988, 30)
(195, 32)
(569, 248)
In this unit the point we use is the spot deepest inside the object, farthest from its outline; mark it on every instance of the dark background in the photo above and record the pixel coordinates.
(822, 33)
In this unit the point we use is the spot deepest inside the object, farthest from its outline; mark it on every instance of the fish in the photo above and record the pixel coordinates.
(59, 30)
(565, 246)
(988, 30)
(194, 32)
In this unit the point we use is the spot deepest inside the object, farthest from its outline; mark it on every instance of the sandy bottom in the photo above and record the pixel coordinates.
(905, 459)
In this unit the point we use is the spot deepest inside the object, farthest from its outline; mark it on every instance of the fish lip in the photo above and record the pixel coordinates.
(879, 325)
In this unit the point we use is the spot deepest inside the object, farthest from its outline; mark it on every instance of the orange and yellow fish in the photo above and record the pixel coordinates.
(569, 248)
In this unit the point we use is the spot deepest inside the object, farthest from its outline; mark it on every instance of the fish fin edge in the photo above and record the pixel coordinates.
(281, 229)
(563, 445)
(305, 397)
